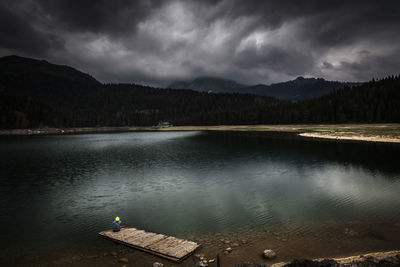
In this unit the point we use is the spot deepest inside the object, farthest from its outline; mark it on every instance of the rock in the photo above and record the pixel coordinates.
(201, 264)
(211, 261)
(123, 260)
(226, 252)
(158, 264)
(269, 254)
(227, 241)
(229, 249)
(105, 254)
(235, 244)
(244, 241)
(114, 253)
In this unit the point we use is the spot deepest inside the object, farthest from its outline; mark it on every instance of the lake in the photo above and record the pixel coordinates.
(57, 192)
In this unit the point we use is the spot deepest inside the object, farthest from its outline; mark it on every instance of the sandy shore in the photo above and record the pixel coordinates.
(349, 136)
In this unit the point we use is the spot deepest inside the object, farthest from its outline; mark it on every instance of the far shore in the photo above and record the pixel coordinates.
(388, 132)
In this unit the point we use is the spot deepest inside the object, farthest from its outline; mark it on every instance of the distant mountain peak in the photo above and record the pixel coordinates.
(298, 89)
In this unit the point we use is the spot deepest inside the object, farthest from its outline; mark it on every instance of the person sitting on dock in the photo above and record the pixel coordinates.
(116, 225)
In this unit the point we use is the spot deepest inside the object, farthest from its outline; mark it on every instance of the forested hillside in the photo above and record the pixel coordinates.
(375, 101)
(38, 94)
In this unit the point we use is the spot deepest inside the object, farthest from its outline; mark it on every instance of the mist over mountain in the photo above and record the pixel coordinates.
(295, 90)
(212, 84)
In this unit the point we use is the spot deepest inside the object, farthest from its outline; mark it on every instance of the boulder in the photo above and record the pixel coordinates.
(269, 254)
(201, 264)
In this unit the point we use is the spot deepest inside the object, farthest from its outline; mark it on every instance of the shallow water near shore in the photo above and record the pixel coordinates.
(245, 190)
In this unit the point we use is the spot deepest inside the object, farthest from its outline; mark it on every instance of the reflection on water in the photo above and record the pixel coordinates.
(59, 191)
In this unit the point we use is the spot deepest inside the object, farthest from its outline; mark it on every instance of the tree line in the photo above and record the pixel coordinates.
(133, 105)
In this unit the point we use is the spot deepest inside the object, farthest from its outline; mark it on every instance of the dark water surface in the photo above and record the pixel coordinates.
(57, 192)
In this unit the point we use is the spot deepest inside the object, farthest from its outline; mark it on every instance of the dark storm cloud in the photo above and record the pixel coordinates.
(18, 34)
(154, 42)
(112, 17)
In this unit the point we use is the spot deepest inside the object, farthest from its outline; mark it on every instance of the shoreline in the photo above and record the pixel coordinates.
(379, 139)
(355, 242)
(376, 257)
(387, 133)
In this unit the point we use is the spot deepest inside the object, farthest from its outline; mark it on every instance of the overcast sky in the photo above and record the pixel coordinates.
(156, 42)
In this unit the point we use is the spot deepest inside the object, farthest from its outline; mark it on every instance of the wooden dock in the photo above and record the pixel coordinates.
(168, 247)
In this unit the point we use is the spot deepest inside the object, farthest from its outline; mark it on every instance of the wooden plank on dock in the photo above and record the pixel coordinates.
(168, 247)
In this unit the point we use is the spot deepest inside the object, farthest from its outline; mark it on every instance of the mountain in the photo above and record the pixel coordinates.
(36, 93)
(299, 89)
(39, 78)
(295, 90)
(209, 84)
(14, 68)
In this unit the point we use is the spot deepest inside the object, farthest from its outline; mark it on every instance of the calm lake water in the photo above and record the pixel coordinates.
(58, 192)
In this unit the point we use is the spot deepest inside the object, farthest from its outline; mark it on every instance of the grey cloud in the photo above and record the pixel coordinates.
(19, 35)
(371, 65)
(154, 42)
(98, 16)
(275, 58)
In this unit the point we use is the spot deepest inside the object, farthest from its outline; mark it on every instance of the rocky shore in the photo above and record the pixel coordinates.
(390, 258)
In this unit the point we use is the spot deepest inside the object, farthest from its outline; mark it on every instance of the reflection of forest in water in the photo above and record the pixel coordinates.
(374, 156)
